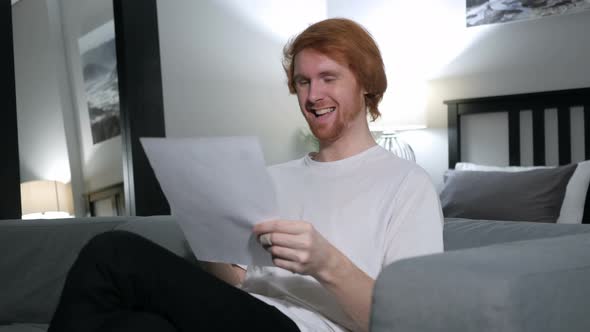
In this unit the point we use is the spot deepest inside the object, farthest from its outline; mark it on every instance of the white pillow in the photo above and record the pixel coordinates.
(572, 208)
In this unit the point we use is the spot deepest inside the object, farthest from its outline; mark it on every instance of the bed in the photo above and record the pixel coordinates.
(542, 171)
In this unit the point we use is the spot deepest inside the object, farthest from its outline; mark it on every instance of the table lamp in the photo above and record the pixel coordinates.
(45, 199)
(391, 141)
(388, 136)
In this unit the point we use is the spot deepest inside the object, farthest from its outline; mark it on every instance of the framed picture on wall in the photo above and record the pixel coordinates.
(99, 68)
(481, 12)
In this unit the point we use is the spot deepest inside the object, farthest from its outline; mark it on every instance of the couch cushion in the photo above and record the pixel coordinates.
(37, 255)
(469, 233)
(42, 252)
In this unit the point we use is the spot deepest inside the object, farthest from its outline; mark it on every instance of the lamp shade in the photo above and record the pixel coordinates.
(46, 199)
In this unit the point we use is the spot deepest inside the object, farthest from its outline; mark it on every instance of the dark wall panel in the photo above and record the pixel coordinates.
(9, 171)
(142, 105)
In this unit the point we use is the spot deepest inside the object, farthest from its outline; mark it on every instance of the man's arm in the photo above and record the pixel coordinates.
(352, 287)
(230, 273)
(296, 246)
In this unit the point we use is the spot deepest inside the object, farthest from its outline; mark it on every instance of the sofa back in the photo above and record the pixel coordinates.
(37, 254)
(469, 233)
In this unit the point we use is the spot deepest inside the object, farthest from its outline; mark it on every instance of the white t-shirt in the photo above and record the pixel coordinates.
(374, 207)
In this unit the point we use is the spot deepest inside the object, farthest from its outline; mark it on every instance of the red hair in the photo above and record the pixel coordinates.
(346, 42)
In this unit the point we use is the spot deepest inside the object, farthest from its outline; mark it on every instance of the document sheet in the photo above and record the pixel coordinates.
(217, 188)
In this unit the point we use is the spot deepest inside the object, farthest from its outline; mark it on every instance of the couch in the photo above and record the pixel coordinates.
(494, 276)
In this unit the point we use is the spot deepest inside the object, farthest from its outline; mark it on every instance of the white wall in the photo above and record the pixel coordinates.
(431, 56)
(42, 142)
(222, 76)
(528, 56)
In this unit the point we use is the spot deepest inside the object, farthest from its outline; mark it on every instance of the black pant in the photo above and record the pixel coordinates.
(124, 282)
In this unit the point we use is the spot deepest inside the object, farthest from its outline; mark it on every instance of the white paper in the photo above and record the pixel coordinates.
(217, 188)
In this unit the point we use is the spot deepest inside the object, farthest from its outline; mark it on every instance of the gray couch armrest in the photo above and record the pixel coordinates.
(534, 285)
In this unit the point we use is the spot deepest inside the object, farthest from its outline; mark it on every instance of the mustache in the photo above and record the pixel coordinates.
(311, 105)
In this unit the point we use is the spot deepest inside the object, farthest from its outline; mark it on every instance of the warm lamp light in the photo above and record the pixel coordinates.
(46, 200)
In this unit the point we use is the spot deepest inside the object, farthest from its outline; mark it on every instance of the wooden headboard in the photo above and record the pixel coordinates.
(538, 102)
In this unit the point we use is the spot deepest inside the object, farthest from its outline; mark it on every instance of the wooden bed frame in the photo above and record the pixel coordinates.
(537, 102)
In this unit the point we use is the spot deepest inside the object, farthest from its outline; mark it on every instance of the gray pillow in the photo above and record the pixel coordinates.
(534, 195)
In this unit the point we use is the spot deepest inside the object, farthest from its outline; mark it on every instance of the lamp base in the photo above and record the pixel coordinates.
(392, 142)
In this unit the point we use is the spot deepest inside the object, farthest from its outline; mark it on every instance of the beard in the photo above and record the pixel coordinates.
(327, 132)
(330, 132)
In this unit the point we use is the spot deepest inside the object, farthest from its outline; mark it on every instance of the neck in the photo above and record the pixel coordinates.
(347, 145)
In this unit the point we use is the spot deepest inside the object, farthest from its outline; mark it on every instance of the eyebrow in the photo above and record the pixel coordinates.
(297, 77)
(329, 73)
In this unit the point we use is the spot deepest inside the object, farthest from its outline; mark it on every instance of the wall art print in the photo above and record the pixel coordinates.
(99, 67)
(480, 12)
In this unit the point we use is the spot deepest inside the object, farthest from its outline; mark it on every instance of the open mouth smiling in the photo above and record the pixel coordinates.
(322, 111)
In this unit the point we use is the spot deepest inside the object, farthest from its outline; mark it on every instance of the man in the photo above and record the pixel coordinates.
(347, 211)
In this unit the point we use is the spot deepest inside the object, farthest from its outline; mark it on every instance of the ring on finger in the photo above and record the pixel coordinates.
(265, 239)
